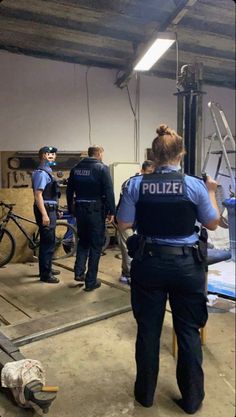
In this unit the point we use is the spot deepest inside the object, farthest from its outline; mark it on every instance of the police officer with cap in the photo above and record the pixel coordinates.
(46, 193)
(90, 196)
(164, 207)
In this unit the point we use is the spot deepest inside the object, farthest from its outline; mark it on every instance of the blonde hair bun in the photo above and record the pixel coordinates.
(163, 130)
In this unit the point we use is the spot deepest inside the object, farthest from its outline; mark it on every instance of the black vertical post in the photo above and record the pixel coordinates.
(189, 115)
(193, 120)
(187, 129)
(180, 114)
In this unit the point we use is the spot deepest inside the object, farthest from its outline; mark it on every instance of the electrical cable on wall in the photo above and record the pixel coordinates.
(136, 112)
(133, 111)
(130, 101)
(88, 104)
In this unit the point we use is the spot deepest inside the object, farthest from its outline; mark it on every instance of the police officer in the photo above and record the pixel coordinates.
(90, 188)
(164, 207)
(123, 235)
(46, 193)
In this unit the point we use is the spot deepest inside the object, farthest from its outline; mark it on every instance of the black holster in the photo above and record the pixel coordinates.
(200, 249)
(135, 245)
(132, 244)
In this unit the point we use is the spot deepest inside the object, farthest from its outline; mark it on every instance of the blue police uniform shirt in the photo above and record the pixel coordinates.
(40, 179)
(196, 192)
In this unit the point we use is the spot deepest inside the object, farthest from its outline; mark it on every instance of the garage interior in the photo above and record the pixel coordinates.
(67, 80)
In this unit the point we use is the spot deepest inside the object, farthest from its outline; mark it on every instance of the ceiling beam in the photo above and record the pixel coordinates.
(47, 31)
(82, 25)
(210, 40)
(208, 51)
(218, 28)
(64, 56)
(131, 8)
(43, 43)
(212, 12)
(104, 23)
(223, 4)
(174, 18)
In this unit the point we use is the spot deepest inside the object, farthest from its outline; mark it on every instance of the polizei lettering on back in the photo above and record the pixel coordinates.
(83, 172)
(166, 188)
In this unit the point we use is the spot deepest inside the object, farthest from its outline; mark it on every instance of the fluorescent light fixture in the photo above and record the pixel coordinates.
(160, 45)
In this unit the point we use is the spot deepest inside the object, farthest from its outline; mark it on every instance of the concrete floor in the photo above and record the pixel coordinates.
(94, 365)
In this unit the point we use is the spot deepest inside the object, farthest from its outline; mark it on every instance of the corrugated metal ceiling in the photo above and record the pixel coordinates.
(110, 33)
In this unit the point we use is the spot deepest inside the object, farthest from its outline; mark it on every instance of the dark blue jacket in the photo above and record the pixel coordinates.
(90, 180)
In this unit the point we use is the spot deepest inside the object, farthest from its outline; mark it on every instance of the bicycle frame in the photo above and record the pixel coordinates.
(65, 235)
(15, 218)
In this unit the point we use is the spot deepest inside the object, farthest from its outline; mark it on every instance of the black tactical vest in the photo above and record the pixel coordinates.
(163, 209)
(51, 191)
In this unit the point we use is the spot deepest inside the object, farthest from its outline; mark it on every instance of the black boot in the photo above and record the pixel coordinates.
(50, 279)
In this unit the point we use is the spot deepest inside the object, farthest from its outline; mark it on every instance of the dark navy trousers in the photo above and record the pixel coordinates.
(47, 242)
(91, 235)
(153, 280)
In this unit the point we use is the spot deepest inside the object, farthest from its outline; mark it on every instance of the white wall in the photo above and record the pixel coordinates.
(44, 102)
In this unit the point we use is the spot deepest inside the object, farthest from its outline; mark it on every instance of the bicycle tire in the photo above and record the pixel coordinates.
(7, 247)
(66, 240)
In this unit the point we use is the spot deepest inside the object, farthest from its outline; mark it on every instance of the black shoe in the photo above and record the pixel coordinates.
(80, 278)
(50, 280)
(143, 403)
(145, 399)
(94, 287)
(56, 272)
(187, 410)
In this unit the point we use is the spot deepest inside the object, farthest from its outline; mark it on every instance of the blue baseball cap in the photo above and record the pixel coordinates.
(47, 149)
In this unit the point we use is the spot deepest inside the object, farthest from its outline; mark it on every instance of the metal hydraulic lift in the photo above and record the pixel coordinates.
(189, 115)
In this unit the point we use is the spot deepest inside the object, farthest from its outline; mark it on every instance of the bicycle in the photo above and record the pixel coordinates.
(66, 236)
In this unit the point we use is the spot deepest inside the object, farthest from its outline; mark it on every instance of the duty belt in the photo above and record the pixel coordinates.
(51, 206)
(89, 204)
(154, 249)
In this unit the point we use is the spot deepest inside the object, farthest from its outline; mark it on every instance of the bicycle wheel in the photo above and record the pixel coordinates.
(7, 247)
(66, 240)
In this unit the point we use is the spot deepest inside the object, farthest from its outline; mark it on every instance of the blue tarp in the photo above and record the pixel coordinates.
(221, 288)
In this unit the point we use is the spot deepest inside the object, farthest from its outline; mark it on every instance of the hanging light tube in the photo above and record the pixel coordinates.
(161, 44)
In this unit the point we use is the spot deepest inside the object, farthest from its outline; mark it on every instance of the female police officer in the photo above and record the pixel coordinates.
(164, 207)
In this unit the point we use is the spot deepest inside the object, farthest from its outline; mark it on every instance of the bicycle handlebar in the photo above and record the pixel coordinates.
(7, 205)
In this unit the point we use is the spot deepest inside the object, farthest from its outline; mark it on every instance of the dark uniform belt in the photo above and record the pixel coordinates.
(83, 202)
(93, 204)
(50, 206)
(154, 249)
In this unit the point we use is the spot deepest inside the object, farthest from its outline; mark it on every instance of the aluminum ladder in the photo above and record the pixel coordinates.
(220, 124)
